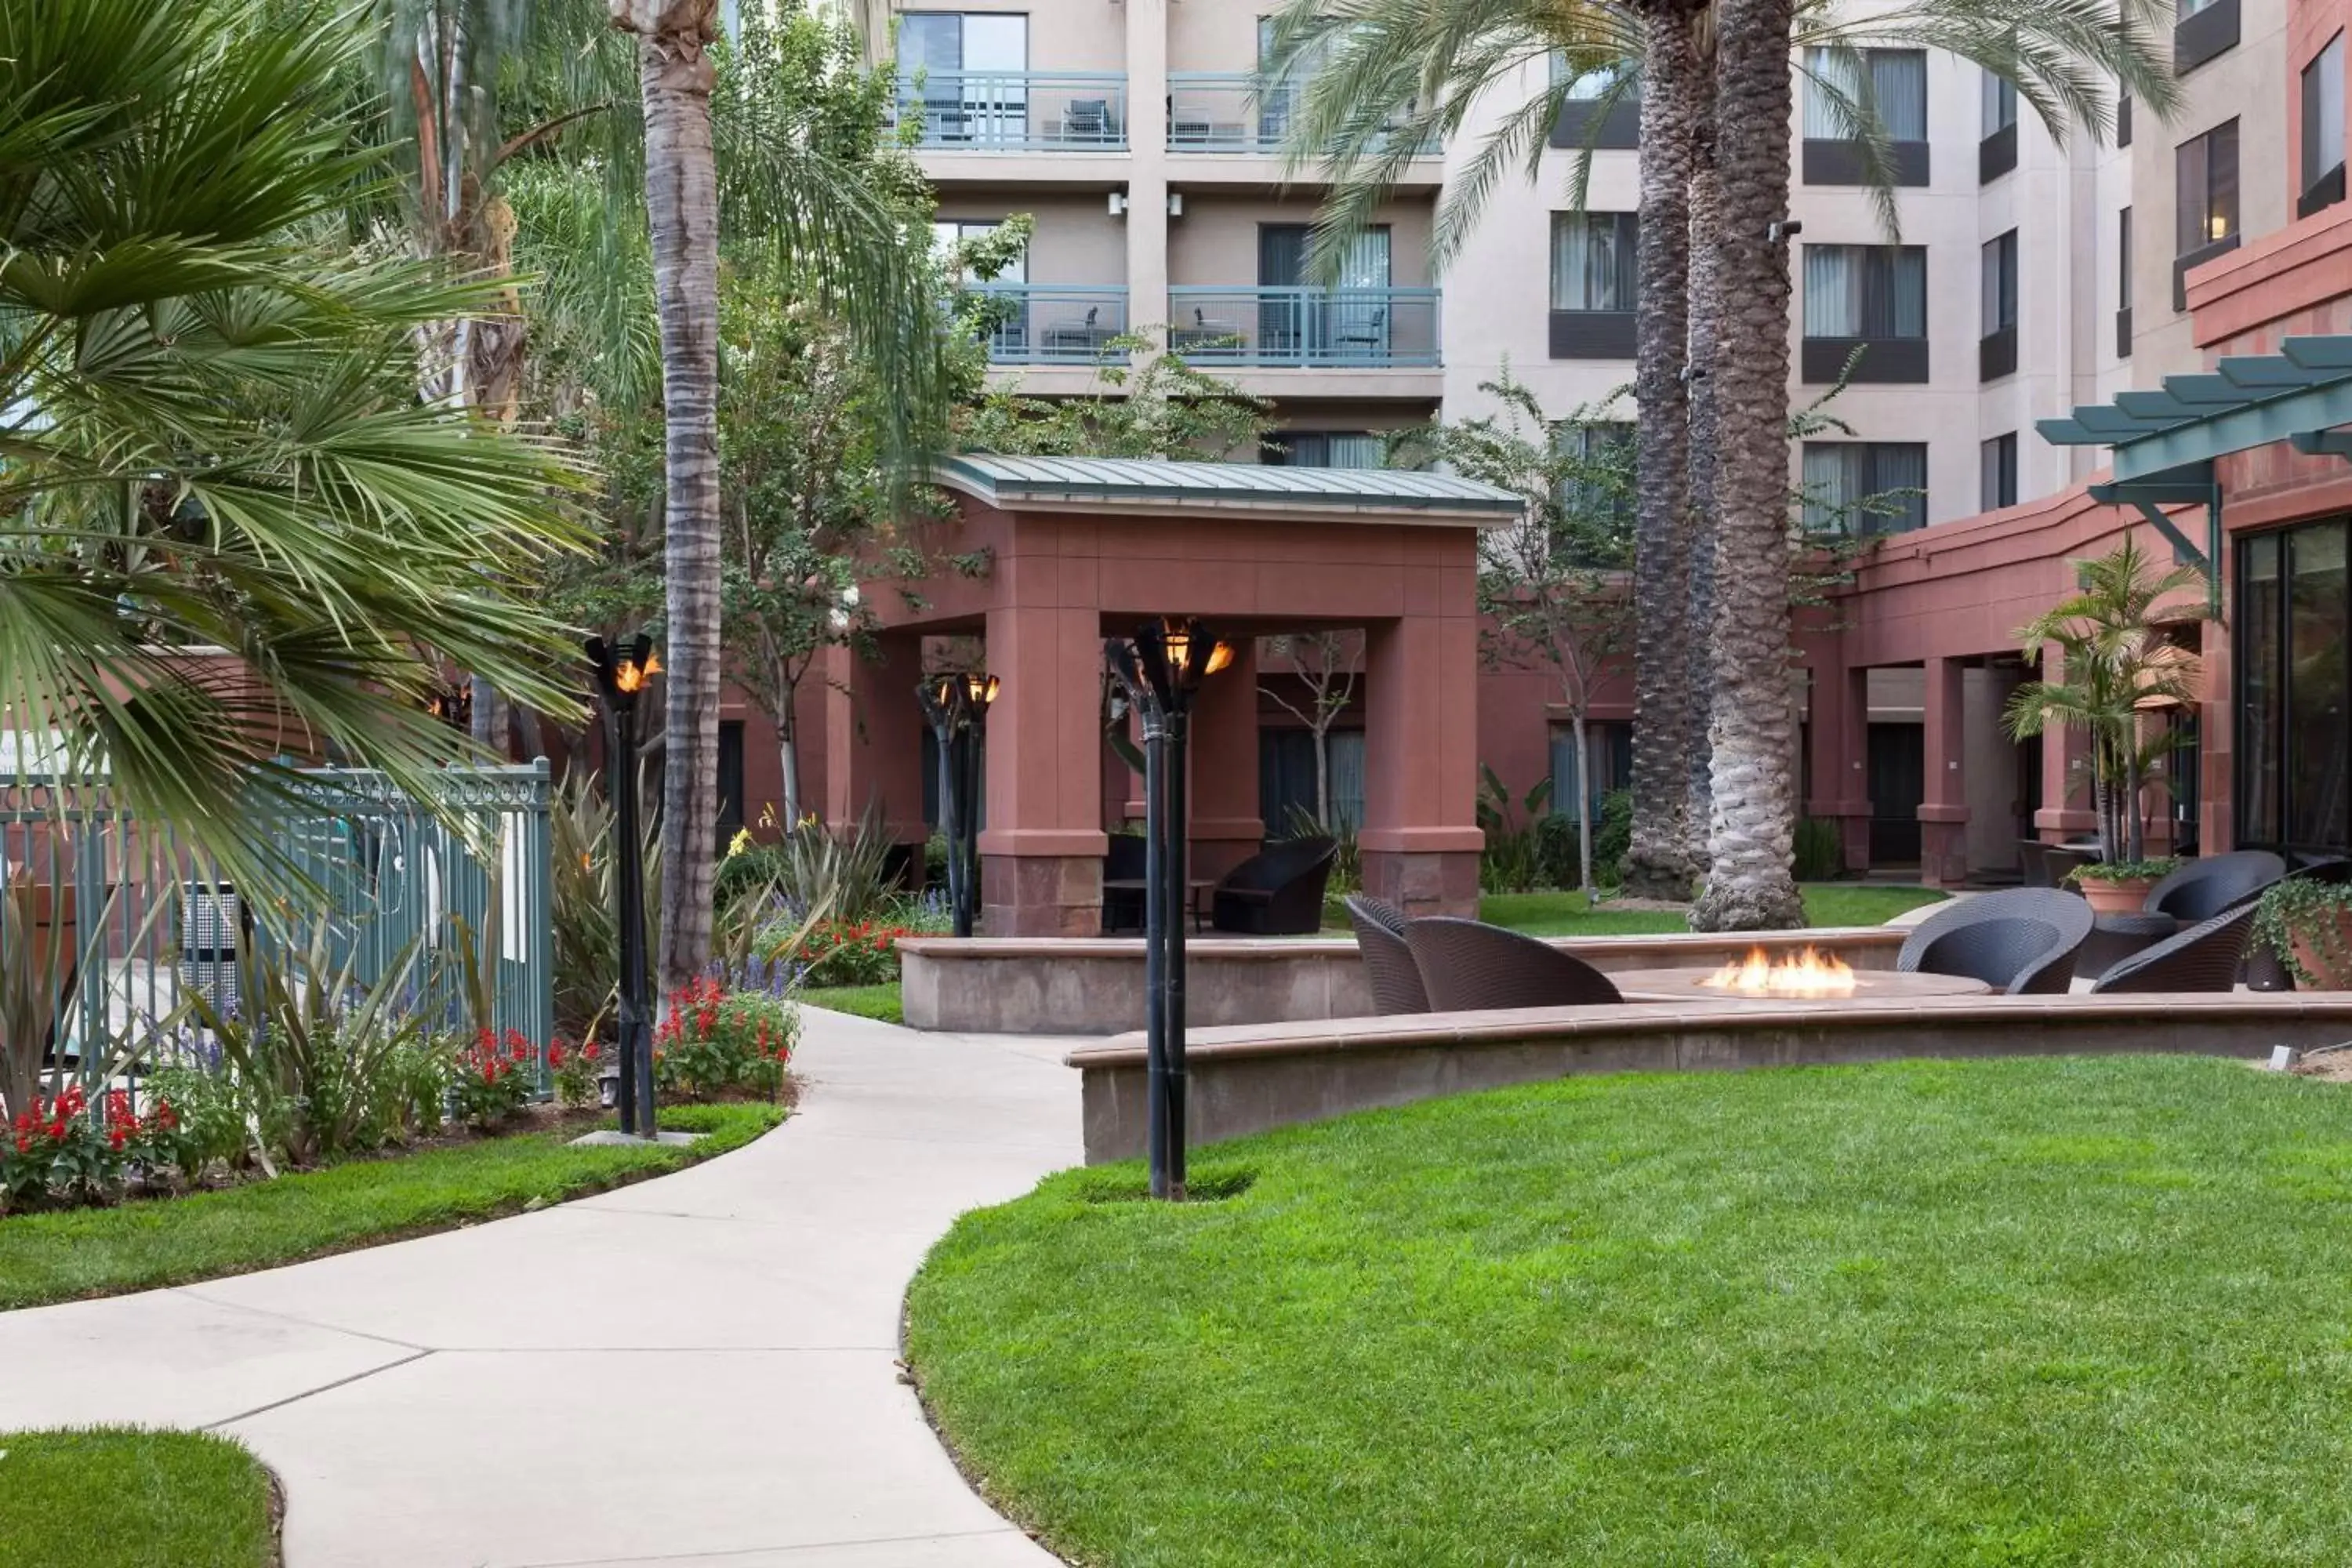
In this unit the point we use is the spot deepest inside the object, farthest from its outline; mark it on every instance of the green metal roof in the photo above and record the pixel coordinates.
(1136, 481)
(2299, 394)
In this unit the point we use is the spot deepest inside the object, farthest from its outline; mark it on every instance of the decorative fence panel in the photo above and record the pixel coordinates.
(128, 919)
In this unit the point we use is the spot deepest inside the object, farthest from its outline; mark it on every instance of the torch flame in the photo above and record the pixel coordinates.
(632, 676)
(1809, 974)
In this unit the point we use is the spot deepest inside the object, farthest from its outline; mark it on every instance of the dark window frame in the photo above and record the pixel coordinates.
(1997, 267)
(2248, 668)
(1997, 472)
(2320, 169)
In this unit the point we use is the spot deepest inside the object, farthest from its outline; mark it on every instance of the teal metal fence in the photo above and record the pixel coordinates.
(128, 919)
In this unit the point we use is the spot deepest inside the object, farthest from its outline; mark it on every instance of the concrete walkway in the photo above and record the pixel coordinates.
(697, 1370)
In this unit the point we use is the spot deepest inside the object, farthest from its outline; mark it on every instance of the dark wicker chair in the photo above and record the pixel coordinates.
(1388, 961)
(2205, 957)
(2064, 859)
(2033, 864)
(1469, 967)
(2020, 941)
(2203, 889)
(1122, 908)
(1276, 892)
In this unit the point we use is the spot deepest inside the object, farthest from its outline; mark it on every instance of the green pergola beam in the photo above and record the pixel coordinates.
(2203, 387)
(2322, 443)
(2332, 352)
(2262, 374)
(2259, 424)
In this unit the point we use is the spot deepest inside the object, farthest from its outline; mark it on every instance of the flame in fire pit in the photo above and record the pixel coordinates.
(1809, 974)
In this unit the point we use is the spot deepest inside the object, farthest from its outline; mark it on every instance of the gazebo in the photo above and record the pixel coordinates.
(1083, 548)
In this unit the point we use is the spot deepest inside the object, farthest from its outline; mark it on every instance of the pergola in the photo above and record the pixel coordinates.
(1083, 548)
(2166, 441)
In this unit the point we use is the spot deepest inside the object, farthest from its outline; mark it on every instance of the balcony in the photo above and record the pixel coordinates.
(1897, 362)
(1337, 327)
(1234, 112)
(1017, 112)
(1053, 323)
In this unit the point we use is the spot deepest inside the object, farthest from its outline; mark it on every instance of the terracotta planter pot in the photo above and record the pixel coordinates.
(2331, 973)
(2123, 898)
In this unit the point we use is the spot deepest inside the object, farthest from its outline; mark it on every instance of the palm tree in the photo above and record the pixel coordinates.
(1389, 75)
(805, 194)
(2115, 658)
(210, 438)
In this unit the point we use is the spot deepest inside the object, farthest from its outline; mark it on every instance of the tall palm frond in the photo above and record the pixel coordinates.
(230, 530)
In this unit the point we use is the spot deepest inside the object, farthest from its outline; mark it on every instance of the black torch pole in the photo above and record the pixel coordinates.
(1178, 900)
(634, 1093)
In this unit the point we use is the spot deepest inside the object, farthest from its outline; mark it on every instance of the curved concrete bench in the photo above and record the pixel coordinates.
(1250, 1078)
(1093, 985)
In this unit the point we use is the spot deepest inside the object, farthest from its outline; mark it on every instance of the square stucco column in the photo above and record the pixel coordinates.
(2066, 802)
(1420, 837)
(1041, 853)
(1226, 830)
(874, 737)
(1837, 731)
(1944, 794)
(2216, 746)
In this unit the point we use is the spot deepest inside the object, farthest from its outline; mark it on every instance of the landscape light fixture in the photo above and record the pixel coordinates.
(956, 703)
(1162, 669)
(622, 673)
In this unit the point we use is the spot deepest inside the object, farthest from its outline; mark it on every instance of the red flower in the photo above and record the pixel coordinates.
(115, 1137)
(555, 1056)
(589, 1050)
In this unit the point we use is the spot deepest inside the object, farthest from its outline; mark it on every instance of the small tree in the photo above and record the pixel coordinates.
(2115, 658)
(1326, 664)
(1552, 586)
(1160, 405)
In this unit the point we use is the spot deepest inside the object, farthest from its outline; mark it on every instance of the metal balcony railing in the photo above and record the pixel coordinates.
(1053, 323)
(1305, 326)
(1233, 111)
(1016, 111)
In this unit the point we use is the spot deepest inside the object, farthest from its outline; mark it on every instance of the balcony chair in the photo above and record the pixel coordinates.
(1277, 892)
(1467, 966)
(1370, 336)
(1088, 122)
(2205, 957)
(1388, 960)
(2022, 941)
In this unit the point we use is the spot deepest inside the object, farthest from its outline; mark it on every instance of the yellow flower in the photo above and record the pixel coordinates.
(739, 843)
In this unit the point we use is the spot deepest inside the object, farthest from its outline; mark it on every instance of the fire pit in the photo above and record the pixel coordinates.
(1808, 976)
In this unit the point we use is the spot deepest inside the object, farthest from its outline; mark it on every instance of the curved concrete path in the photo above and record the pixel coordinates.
(694, 1371)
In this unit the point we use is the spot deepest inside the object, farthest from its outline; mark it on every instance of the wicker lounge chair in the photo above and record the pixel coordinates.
(2205, 957)
(1388, 962)
(2022, 941)
(1467, 967)
(2205, 887)
(1276, 892)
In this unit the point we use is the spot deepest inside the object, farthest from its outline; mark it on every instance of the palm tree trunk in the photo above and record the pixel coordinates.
(1657, 864)
(1752, 728)
(682, 199)
(1705, 311)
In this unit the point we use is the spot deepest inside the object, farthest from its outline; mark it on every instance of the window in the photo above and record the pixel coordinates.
(973, 71)
(2292, 702)
(1996, 465)
(1592, 260)
(1836, 93)
(1584, 89)
(1996, 143)
(1866, 487)
(1866, 291)
(1602, 486)
(1609, 746)
(2124, 284)
(2206, 171)
(730, 781)
(2000, 283)
(947, 233)
(1323, 449)
(2000, 104)
(2323, 130)
(1286, 776)
(1582, 122)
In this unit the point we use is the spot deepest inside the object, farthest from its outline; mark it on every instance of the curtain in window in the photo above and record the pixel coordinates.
(1899, 79)
(1999, 100)
(1999, 307)
(1841, 477)
(1858, 292)
(1346, 757)
(1897, 88)
(2323, 113)
(1831, 486)
(2206, 174)
(1592, 262)
(1897, 465)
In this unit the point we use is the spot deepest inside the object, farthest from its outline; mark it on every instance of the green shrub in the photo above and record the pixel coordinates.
(585, 905)
(1512, 861)
(843, 875)
(1347, 866)
(1819, 849)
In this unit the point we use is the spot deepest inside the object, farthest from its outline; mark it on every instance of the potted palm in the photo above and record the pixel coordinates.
(2116, 665)
(2307, 925)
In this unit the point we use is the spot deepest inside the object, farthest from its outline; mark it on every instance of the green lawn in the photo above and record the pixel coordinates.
(1567, 914)
(116, 1497)
(2011, 1312)
(138, 1246)
(865, 1001)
